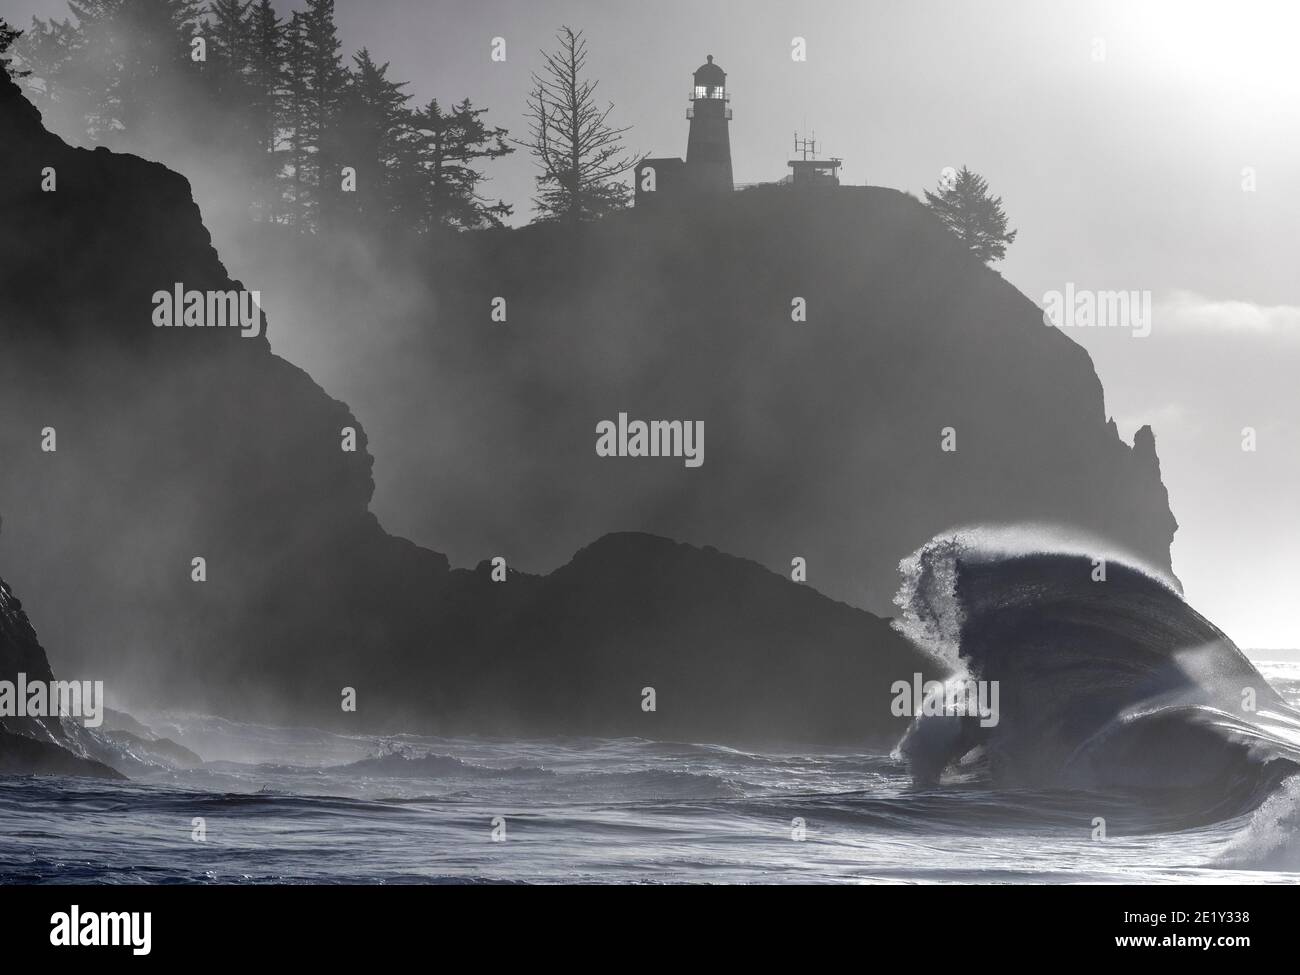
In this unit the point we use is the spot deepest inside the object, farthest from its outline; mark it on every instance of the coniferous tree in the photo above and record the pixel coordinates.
(152, 80)
(375, 134)
(57, 80)
(968, 209)
(121, 67)
(46, 52)
(229, 96)
(272, 106)
(93, 64)
(324, 86)
(68, 78)
(228, 29)
(579, 154)
(293, 120)
(266, 98)
(7, 37)
(451, 141)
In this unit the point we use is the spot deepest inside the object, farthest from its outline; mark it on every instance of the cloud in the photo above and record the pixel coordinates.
(1186, 311)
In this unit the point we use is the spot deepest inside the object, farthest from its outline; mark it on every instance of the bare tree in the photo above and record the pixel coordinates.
(580, 155)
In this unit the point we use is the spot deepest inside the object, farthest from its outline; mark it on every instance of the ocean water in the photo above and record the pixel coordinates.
(293, 805)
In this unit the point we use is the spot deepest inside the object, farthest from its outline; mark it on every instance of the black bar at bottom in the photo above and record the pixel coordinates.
(332, 924)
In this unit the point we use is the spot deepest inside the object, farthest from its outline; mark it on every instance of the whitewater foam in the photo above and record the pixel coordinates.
(1271, 838)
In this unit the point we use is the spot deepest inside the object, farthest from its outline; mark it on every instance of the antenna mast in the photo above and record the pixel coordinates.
(806, 145)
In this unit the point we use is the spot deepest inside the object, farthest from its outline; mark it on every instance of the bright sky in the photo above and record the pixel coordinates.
(1117, 131)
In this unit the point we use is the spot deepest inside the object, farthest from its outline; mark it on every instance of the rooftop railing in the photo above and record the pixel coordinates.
(690, 112)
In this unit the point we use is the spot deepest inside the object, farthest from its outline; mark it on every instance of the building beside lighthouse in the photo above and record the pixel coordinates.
(812, 172)
(706, 170)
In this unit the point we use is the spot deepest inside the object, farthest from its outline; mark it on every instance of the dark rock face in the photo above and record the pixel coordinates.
(20, 651)
(822, 439)
(35, 746)
(733, 652)
(172, 443)
(20, 755)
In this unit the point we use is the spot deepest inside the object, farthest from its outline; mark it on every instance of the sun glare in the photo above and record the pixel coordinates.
(1248, 46)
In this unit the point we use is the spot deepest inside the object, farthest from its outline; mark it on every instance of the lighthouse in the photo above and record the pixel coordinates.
(708, 147)
(707, 166)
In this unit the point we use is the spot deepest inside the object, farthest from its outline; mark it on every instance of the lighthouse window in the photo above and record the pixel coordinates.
(701, 91)
(715, 92)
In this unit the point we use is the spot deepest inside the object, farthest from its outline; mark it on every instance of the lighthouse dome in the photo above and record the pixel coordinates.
(710, 74)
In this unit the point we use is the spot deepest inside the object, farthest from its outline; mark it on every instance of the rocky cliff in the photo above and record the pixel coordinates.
(128, 451)
(35, 745)
(731, 651)
(822, 439)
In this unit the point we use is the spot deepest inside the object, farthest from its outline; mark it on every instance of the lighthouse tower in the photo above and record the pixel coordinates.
(707, 166)
(708, 147)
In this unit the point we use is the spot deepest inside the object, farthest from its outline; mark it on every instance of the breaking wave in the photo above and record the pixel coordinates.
(1109, 681)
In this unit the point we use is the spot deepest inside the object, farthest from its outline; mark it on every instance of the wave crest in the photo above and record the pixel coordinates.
(1107, 681)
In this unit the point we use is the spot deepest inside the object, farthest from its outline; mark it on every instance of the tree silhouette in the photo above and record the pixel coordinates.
(578, 152)
(7, 36)
(325, 83)
(149, 47)
(122, 69)
(969, 211)
(272, 107)
(450, 142)
(232, 96)
(229, 29)
(292, 120)
(266, 105)
(375, 138)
